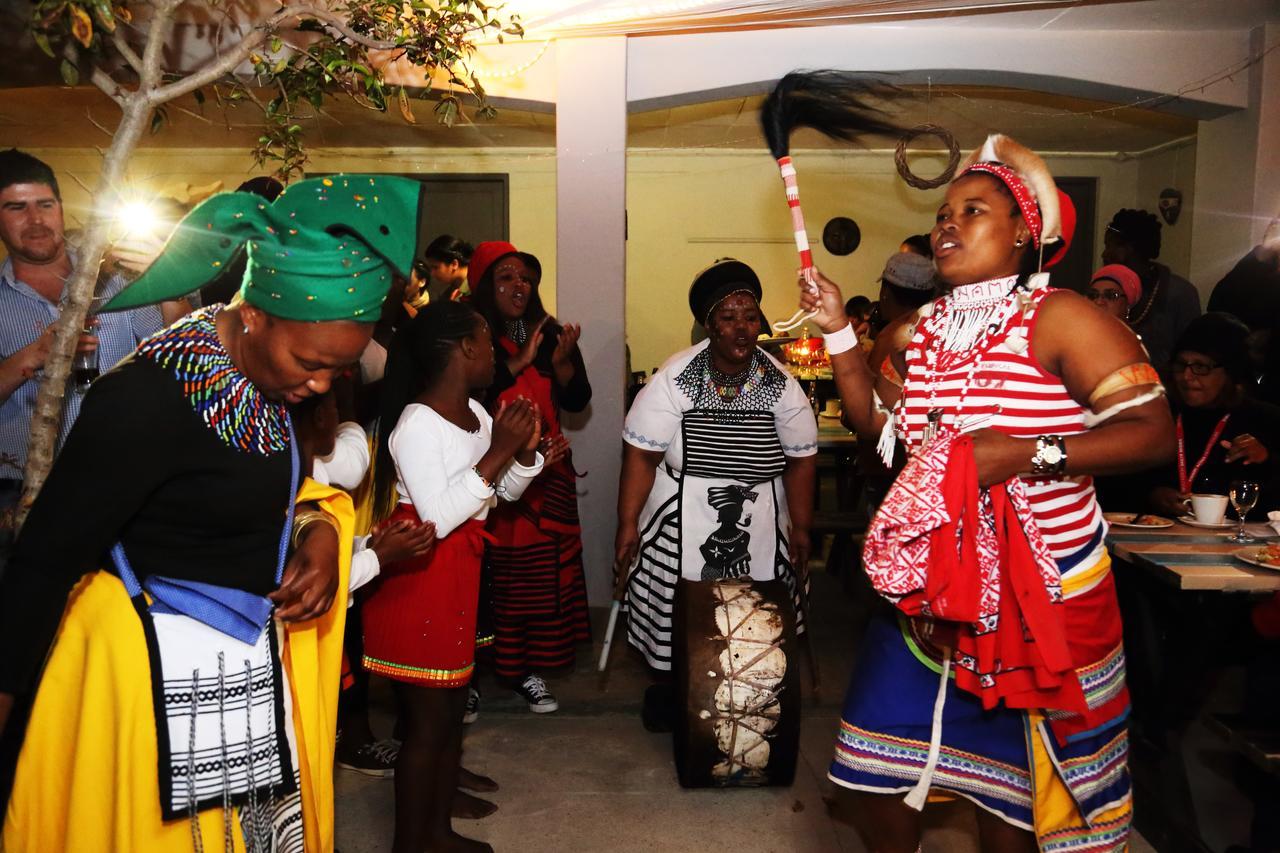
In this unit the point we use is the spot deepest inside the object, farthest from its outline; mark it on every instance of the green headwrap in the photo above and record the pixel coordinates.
(324, 250)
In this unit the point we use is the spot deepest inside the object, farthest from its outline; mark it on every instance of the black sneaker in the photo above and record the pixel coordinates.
(377, 758)
(534, 691)
(472, 712)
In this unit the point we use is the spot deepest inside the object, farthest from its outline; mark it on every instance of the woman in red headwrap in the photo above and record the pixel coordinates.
(539, 594)
(1001, 677)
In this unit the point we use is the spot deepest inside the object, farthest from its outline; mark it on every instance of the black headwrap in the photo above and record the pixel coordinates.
(1221, 337)
(719, 281)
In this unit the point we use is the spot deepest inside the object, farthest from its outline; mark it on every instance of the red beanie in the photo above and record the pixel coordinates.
(484, 257)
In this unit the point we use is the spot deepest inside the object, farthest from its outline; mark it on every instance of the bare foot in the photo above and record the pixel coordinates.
(475, 782)
(467, 807)
(455, 843)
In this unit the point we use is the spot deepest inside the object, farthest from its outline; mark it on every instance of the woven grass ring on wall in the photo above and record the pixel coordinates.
(944, 136)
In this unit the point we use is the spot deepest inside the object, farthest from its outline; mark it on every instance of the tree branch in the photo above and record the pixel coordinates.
(123, 48)
(227, 62)
(98, 77)
(92, 121)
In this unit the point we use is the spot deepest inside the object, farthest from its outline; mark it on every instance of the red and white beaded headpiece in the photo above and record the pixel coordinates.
(1048, 212)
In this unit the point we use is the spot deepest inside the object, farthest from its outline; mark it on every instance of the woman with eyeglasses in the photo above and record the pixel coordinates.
(1223, 434)
(1115, 288)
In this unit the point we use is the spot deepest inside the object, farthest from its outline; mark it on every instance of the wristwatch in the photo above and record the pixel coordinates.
(1050, 458)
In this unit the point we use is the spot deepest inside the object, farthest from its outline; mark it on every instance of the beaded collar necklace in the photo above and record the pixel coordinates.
(217, 391)
(739, 384)
(965, 324)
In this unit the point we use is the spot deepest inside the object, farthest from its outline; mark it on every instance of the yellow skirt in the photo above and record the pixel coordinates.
(87, 776)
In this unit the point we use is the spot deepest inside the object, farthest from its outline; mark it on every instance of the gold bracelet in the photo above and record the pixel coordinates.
(303, 519)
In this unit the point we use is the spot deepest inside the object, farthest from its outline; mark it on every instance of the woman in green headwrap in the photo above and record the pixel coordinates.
(190, 693)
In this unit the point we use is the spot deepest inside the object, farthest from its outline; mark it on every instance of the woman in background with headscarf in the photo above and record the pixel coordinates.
(1115, 289)
(720, 415)
(535, 561)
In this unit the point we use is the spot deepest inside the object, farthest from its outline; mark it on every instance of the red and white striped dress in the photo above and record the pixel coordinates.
(978, 338)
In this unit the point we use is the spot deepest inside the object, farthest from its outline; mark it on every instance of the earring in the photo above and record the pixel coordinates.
(245, 328)
(1018, 243)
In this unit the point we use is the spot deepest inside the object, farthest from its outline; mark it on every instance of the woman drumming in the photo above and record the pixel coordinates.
(176, 710)
(535, 558)
(1002, 377)
(718, 467)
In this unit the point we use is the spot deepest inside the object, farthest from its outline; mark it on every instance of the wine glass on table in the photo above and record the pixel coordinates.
(1244, 495)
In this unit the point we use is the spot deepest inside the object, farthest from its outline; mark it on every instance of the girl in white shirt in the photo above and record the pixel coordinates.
(451, 464)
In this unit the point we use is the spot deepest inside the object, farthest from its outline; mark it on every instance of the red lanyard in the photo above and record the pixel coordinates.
(1184, 479)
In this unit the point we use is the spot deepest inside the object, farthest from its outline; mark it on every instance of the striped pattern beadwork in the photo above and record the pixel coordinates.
(419, 674)
(220, 394)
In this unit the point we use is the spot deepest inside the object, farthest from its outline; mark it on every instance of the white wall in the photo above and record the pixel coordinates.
(687, 208)
(1174, 167)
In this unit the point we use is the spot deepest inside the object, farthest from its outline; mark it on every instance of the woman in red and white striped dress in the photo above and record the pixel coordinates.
(1035, 391)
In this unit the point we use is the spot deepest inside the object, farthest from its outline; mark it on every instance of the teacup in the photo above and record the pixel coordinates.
(1208, 509)
(832, 409)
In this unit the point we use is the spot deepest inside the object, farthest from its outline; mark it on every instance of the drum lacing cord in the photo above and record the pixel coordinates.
(918, 795)
(771, 694)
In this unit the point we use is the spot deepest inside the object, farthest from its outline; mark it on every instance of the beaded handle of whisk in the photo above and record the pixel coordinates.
(788, 170)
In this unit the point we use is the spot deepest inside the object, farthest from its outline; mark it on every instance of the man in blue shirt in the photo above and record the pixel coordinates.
(32, 280)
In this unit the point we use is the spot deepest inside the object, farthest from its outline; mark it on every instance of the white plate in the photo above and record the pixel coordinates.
(1125, 519)
(1249, 555)
(1190, 520)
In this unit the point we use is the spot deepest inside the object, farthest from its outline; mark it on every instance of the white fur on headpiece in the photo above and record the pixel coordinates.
(1034, 173)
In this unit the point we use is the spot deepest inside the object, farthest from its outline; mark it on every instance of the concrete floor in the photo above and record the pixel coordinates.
(590, 778)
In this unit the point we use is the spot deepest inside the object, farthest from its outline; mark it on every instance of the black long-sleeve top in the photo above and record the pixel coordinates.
(572, 398)
(1251, 292)
(139, 467)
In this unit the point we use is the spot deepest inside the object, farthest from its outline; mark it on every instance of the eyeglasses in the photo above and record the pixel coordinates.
(1104, 295)
(1198, 368)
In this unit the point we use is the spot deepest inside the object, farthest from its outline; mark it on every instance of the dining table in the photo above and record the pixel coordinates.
(1185, 598)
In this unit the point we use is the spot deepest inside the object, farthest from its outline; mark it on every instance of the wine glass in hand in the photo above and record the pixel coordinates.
(1243, 494)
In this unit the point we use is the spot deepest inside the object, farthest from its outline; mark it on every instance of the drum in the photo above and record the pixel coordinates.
(738, 719)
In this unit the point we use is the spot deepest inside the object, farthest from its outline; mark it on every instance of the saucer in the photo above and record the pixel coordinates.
(1190, 520)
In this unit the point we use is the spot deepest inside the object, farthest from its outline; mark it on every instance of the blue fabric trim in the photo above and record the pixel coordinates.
(1068, 563)
(657, 445)
(233, 612)
(1097, 730)
(795, 448)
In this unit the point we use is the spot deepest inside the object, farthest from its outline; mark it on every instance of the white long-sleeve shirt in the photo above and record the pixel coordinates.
(345, 468)
(435, 462)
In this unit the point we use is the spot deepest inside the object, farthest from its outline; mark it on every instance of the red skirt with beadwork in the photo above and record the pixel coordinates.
(420, 615)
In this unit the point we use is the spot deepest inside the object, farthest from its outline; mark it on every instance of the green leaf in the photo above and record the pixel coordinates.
(198, 94)
(70, 74)
(276, 44)
(158, 119)
(43, 41)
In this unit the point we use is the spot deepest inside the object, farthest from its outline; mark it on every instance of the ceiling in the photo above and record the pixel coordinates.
(42, 117)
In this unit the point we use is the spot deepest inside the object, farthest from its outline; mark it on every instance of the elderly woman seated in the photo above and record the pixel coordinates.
(1223, 433)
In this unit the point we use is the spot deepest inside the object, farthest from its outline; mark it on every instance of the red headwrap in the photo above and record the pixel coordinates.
(484, 257)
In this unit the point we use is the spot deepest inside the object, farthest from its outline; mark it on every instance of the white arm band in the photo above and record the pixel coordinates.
(841, 340)
(1091, 420)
